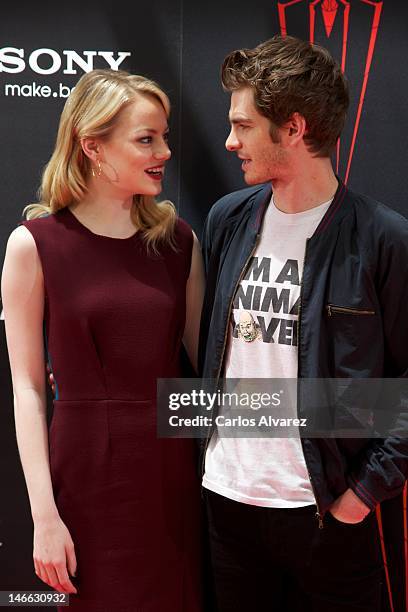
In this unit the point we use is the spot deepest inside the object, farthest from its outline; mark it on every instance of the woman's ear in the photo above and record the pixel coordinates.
(91, 148)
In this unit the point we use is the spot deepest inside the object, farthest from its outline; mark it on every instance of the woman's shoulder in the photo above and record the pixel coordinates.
(40, 232)
(22, 249)
(43, 221)
(183, 234)
(183, 228)
(21, 240)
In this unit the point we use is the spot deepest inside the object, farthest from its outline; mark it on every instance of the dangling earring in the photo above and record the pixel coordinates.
(98, 172)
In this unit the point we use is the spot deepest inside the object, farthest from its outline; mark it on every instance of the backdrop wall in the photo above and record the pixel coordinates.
(45, 48)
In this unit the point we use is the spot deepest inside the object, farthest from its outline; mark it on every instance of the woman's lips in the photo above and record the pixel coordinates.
(156, 173)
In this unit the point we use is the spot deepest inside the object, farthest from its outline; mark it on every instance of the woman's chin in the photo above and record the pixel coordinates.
(151, 190)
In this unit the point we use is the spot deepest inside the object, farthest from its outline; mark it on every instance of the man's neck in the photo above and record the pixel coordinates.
(306, 188)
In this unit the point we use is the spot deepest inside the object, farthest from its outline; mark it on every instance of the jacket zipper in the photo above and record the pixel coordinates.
(346, 310)
(208, 437)
(318, 513)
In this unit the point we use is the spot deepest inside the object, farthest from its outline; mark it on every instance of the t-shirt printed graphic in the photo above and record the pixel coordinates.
(261, 292)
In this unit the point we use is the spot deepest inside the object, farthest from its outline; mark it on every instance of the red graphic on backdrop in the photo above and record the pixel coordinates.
(329, 12)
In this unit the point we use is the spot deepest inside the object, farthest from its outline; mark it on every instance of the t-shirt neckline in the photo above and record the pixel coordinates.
(305, 216)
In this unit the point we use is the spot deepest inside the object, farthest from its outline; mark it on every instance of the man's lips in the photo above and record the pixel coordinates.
(245, 162)
(155, 172)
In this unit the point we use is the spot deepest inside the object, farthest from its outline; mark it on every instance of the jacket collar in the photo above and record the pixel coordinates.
(336, 210)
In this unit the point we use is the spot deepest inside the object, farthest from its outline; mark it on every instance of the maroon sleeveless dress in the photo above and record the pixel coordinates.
(114, 320)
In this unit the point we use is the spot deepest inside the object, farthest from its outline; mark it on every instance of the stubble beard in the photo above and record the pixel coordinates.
(273, 165)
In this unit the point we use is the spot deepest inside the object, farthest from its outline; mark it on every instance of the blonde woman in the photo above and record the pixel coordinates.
(115, 281)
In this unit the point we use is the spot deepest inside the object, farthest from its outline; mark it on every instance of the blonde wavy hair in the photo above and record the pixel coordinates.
(91, 111)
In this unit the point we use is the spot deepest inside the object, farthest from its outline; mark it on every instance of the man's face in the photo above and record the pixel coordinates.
(262, 159)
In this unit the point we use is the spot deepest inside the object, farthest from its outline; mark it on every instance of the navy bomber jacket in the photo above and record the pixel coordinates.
(353, 321)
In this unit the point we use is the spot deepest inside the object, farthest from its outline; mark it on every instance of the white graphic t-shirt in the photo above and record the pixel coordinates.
(262, 343)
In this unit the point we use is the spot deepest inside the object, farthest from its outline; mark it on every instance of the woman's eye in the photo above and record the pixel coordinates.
(146, 140)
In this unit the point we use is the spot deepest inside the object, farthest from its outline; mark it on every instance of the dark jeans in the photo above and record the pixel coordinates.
(278, 560)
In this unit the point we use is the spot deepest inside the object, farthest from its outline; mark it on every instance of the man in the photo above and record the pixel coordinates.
(318, 269)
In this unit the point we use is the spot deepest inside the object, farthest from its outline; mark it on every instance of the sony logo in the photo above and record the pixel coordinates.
(12, 60)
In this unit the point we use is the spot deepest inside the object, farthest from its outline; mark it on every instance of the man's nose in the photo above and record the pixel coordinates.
(232, 143)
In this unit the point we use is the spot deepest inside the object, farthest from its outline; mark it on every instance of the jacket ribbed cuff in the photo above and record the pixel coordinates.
(361, 492)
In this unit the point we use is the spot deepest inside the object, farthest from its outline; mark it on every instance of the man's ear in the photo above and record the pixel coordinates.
(296, 128)
(91, 148)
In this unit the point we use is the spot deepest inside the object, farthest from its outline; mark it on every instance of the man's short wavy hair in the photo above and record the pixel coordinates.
(289, 75)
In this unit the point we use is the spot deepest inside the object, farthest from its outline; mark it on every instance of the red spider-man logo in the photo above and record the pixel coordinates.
(329, 12)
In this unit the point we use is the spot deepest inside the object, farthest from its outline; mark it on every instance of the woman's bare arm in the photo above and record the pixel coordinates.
(23, 299)
(194, 303)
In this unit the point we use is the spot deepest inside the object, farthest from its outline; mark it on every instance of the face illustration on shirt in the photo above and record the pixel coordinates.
(247, 328)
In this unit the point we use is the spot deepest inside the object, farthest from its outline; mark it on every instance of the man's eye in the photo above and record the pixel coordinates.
(166, 137)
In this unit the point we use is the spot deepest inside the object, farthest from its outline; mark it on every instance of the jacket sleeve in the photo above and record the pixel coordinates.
(383, 467)
(207, 239)
(207, 242)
